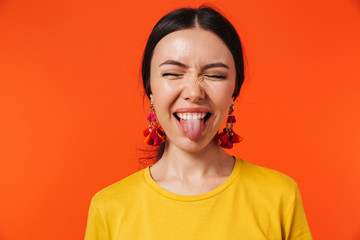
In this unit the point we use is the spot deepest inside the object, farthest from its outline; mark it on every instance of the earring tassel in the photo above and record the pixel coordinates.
(227, 138)
(154, 136)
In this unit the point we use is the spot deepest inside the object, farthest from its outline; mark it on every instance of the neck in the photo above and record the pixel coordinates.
(210, 161)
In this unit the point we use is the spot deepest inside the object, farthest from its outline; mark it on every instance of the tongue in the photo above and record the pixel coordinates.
(192, 128)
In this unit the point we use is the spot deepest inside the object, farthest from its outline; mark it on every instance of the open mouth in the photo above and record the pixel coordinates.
(192, 116)
(192, 124)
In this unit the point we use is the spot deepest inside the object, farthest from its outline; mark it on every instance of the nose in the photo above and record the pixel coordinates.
(193, 91)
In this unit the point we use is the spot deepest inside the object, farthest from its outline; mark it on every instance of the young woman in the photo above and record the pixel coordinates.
(192, 72)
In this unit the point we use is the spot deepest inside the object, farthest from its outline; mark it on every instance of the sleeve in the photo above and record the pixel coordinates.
(296, 227)
(95, 228)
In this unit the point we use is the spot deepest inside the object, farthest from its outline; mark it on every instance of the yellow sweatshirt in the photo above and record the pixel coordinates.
(253, 203)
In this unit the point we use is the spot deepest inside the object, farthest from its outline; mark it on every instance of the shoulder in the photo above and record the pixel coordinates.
(266, 180)
(121, 191)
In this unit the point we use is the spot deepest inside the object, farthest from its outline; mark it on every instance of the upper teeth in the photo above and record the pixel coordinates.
(190, 116)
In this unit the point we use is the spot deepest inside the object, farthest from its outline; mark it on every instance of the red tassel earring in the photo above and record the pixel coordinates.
(227, 137)
(154, 135)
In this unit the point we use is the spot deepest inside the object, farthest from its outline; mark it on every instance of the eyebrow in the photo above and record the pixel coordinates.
(173, 62)
(215, 65)
(207, 66)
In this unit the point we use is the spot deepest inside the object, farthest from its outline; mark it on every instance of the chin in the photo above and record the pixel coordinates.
(191, 146)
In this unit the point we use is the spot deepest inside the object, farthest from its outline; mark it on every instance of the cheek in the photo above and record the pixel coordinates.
(161, 89)
(221, 91)
(164, 95)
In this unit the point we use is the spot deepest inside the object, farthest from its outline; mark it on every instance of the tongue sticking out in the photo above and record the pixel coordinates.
(192, 128)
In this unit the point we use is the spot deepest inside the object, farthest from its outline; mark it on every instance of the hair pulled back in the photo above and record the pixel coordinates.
(185, 18)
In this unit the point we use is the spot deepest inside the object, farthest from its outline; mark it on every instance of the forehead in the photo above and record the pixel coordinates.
(192, 46)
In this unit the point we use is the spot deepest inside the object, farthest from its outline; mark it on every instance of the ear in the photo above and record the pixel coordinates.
(151, 97)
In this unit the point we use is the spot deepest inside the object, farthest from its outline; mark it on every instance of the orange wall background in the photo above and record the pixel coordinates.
(72, 115)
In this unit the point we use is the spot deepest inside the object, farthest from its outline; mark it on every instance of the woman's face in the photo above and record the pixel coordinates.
(192, 81)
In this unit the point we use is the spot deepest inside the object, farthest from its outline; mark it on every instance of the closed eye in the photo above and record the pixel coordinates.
(216, 76)
(171, 75)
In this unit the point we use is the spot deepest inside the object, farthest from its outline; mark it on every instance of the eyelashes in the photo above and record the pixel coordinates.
(215, 76)
(209, 76)
(171, 75)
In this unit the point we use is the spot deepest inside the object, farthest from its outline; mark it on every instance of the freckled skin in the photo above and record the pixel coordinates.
(191, 86)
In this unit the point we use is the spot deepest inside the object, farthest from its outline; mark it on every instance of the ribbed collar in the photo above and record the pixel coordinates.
(234, 174)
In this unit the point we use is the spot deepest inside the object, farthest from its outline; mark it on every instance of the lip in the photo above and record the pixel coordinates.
(192, 110)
